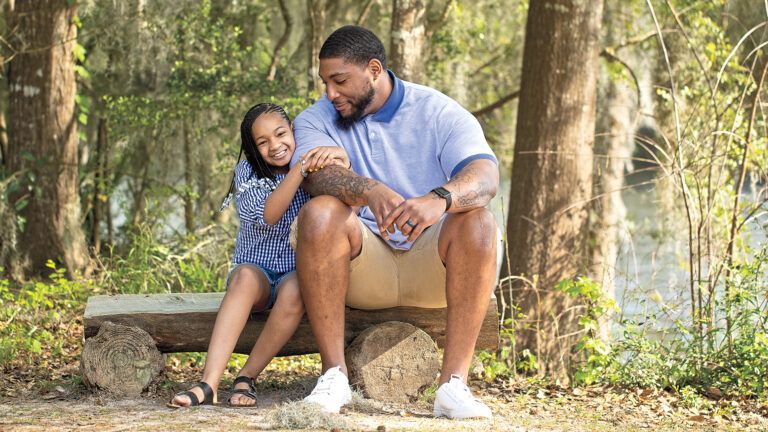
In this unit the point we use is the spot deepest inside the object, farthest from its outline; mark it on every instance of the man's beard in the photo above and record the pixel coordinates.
(359, 107)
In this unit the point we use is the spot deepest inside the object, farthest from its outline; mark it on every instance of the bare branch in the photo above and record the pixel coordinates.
(610, 56)
(364, 13)
(432, 26)
(496, 105)
(280, 43)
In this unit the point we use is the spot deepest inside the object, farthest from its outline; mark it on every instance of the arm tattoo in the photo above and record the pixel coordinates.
(341, 183)
(473, 186)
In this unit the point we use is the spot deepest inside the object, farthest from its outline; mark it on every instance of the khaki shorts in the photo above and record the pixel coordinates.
(382, 277)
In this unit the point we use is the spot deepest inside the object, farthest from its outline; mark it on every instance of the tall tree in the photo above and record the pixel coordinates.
(316, 10)
(407, 38)
(552, 171)
(43, 133)
(616, 122)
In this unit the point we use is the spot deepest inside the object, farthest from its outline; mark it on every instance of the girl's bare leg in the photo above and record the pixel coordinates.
(248, 289)
(282, 322)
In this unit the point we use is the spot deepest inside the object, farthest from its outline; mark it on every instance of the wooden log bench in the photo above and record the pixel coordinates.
(391, 353)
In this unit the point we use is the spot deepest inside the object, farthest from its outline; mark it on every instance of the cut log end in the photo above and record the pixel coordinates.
(121, 360)
(392, 362)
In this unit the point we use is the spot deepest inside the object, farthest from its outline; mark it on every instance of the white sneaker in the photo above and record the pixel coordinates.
(454, 400)
(331, 391)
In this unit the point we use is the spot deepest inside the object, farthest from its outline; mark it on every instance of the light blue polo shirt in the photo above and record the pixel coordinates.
(414, 143)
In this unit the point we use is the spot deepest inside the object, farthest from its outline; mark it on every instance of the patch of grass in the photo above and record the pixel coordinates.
(300, 415)
(362, 405)
(428, 395)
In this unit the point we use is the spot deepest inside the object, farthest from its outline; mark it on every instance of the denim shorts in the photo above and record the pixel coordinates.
(274, 278)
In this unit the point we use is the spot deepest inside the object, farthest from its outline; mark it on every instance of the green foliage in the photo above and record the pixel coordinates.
(594, 349)
(657, 357)
(153, 266)
(36, 319)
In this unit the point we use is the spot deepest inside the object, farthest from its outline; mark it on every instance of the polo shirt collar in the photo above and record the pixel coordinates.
(395, 99)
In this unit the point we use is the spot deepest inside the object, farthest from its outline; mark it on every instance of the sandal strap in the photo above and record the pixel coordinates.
(193, 400)
(245, 379)
(245, 392)
(207, 392)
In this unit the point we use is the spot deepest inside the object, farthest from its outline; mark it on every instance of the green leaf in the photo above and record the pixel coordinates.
(82, 72)
(79, 52)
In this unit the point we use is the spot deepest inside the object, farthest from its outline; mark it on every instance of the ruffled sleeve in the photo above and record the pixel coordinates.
(251, 194)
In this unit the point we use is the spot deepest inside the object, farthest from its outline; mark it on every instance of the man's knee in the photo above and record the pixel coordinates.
(321, 215)
(474, 230)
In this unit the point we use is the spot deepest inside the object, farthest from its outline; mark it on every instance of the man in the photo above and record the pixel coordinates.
(405, 226)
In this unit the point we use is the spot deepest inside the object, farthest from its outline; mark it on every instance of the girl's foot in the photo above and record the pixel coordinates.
(200, 394)
(243, 392)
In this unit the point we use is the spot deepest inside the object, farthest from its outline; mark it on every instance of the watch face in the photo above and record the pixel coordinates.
(442, 192)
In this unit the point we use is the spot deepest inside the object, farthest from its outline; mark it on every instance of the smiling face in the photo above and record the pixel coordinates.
(349, 87)
(274, 140)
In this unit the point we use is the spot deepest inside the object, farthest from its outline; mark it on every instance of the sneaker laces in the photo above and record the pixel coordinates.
(465, 389)
(324, 385)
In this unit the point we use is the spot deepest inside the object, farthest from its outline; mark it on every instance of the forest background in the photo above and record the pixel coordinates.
(632, 136)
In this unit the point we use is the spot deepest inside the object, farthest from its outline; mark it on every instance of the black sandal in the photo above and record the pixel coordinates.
(250, 392)
(193, 399)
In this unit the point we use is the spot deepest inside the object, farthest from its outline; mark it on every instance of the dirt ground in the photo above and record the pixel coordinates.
(517, 407)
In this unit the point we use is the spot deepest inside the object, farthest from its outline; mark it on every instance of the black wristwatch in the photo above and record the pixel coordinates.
(444, 194)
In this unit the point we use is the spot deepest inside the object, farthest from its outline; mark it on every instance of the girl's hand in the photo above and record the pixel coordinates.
(321, 157)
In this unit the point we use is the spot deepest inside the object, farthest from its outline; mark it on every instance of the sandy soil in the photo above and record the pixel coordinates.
(515, 409)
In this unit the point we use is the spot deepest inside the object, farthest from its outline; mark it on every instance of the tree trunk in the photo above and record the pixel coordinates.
(43, 126)
(3, 138)
(614, 151)
(189, 203)
(316, 27)
(617, 118)
(407, 39)
(552, 171)
(98, 184)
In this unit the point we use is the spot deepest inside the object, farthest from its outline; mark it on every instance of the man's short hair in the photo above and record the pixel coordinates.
(354, 44)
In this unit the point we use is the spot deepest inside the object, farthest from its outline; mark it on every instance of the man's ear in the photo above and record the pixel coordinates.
(374, 65)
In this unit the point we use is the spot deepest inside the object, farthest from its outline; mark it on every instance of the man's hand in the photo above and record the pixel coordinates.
(415, 215)
(383, 201)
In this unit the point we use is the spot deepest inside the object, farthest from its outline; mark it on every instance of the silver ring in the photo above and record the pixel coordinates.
(410, 224)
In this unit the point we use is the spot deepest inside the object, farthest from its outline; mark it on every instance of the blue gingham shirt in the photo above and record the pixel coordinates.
(258, 242)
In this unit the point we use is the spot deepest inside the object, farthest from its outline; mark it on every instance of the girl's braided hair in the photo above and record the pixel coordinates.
(248, 145)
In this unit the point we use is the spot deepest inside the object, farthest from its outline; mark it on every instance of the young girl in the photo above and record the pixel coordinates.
(267, 198)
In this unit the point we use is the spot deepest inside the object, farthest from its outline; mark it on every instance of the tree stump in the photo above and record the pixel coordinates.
(392, 362)
(121, 359)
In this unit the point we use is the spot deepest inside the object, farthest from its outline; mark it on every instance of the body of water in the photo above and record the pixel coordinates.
(652, 280)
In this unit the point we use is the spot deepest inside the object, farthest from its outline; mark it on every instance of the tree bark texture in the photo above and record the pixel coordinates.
(407, 39)
(552, 172)
(316, 34)
(43, 134)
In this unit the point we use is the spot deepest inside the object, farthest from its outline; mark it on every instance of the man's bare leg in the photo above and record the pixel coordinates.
(329, 238)
(467, 246)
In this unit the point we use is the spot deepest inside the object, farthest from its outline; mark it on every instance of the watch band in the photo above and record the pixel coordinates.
(444, 194)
